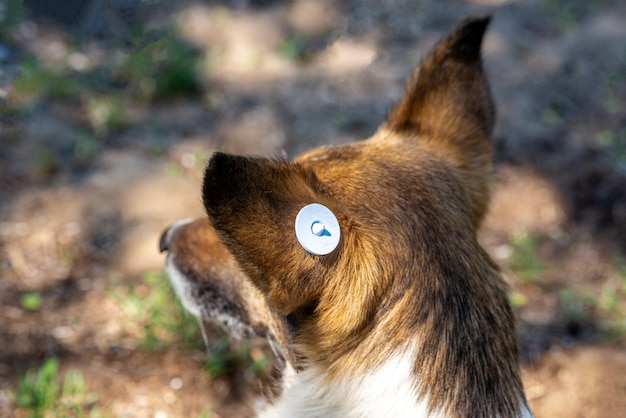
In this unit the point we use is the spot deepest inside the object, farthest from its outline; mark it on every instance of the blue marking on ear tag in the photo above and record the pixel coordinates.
(317, 229)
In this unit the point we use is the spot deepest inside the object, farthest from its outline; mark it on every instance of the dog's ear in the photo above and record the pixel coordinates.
(448, 110)
(252, 203)
(448, 95)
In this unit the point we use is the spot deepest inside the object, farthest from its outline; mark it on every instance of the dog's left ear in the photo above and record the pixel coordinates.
(252, 203)
(448, 111)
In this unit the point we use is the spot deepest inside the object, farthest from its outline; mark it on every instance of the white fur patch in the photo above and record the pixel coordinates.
(181, 288)
(388, 391)
(230, 324)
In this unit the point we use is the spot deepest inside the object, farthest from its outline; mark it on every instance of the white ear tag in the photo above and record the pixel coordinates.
(317, 229)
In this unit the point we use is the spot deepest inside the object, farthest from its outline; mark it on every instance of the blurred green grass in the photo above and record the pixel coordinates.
(152, 304)
(43, 393)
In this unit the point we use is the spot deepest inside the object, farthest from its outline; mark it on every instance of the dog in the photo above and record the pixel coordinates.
(375, 294)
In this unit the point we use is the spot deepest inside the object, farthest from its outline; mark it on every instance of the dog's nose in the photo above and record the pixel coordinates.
(164, 240)
(166, 237)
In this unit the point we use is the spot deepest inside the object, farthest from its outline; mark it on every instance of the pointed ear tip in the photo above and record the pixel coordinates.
(219, 161)
(477, 21)
(218, 156)
(465, 41)
(216, 164)
(474, 25)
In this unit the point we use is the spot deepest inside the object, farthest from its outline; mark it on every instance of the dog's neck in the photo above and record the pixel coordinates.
(449, 323)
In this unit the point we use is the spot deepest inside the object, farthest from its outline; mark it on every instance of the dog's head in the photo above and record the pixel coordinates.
(418, 184)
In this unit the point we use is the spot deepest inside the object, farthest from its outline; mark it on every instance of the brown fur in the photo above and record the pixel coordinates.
(408, 269)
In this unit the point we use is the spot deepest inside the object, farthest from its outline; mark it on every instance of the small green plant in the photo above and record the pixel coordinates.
(525, 260)
(42, 393)
(152, 304)
(206, 413)
(39, 390)
(609, 301)
(31, 301)
(293, 48)
(518, 299)
(551, 116)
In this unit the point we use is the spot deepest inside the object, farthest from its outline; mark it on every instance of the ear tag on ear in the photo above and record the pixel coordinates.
(317, 229)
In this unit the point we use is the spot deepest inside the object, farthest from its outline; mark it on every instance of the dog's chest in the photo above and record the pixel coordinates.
(388, 390)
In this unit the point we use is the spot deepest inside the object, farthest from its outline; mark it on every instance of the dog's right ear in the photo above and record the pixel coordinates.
(448, 111)
(448, 94)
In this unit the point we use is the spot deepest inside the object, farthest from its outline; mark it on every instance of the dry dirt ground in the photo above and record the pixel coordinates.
(90, 175)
